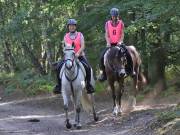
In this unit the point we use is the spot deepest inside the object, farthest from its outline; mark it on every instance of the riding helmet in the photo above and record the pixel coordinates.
(114, 12)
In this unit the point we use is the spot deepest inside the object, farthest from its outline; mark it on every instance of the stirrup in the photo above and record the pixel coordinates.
(133, 74)
(57, 89)
(90, 89)
(102, 78)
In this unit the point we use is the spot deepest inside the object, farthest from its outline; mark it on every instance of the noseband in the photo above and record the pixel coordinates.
(69, 68)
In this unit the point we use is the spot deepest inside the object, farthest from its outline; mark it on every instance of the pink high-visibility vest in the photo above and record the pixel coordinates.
(77, 41)
(115, 32)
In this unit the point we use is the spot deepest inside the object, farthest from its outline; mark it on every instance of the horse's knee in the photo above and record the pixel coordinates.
(113, 96)
(78, 110)
(65, 107)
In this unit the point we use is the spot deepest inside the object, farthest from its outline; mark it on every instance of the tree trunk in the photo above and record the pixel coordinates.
(144, 52)
(157, 67)
(34, 60)
(10, 56)
(6, 66)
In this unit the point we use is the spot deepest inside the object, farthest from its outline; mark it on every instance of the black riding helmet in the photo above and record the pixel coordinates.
(114, 12)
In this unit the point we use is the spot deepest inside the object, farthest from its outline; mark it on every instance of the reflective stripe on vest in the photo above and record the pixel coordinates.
(115, 32)
(77, 41)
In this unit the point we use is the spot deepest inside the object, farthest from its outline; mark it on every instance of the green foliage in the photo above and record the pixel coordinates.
(140, 97)
(28, 82)
(41, 25)
(166, 116)
(170, 91)
(100, 87)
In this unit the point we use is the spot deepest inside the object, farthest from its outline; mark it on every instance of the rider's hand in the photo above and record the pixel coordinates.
(121, 42)
(108, 45)
(77, 54)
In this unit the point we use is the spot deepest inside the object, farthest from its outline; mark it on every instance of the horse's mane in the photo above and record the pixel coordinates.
(113, 53)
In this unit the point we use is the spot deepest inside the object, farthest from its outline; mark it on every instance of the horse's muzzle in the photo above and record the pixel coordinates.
(122, 73)
(69, 64)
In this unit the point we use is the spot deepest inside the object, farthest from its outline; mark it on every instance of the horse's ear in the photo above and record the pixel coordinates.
(73, 45)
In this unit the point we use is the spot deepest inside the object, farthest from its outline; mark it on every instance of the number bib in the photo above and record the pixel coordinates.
(115, 32)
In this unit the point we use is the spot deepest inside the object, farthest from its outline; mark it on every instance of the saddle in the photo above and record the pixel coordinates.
(79, 64)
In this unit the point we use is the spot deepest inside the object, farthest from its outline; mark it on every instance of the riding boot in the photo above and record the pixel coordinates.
(89, 87)
(130, 68)
(102, 76)
(57, 88)
(87, 67)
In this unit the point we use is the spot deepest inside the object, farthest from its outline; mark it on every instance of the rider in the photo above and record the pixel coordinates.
(76, 38)
(114, 35)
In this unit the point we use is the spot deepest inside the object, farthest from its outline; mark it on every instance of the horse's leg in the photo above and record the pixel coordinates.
(65, 98)
(78, 124)
(113, 96)
(78, 108)
(76, 115)
(93, 108)
(120, 93)
(135, 86)
(136, 79)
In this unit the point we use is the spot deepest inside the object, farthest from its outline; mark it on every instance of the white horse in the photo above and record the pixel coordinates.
(73, 84)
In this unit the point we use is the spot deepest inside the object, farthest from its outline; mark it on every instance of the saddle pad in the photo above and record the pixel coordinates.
(81, 67)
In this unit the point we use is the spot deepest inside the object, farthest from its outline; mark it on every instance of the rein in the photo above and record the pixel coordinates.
(111, 67)
(71, 80)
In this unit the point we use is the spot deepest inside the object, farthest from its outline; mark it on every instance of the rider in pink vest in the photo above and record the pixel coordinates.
(114, 35)
(76, 38)
(114, 32)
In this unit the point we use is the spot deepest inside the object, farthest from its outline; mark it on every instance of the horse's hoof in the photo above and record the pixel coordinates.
(78, 126)
(96, 118)
(75, 125)
(68, 125)
(117, 114)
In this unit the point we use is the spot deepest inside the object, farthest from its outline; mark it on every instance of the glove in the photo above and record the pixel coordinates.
(121, 42)
(108, 45)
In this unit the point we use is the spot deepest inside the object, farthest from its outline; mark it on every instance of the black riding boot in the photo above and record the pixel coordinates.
(102, 76)
(87, 67)
(57, 88)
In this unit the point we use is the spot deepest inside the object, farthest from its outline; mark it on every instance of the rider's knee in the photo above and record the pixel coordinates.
(65, 107)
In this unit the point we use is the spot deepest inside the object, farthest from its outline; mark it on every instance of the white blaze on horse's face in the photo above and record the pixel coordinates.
(69, 55)
(122, 71)
(119, 65)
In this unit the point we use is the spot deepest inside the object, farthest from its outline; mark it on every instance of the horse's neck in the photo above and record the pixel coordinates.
(71, 74)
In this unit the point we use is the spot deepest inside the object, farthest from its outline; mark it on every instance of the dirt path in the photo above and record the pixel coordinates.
(15, 116)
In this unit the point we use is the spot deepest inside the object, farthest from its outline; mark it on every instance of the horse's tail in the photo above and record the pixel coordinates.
(141, 77)
(86, 102)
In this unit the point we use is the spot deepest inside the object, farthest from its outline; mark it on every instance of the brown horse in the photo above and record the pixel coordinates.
(116, 64)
